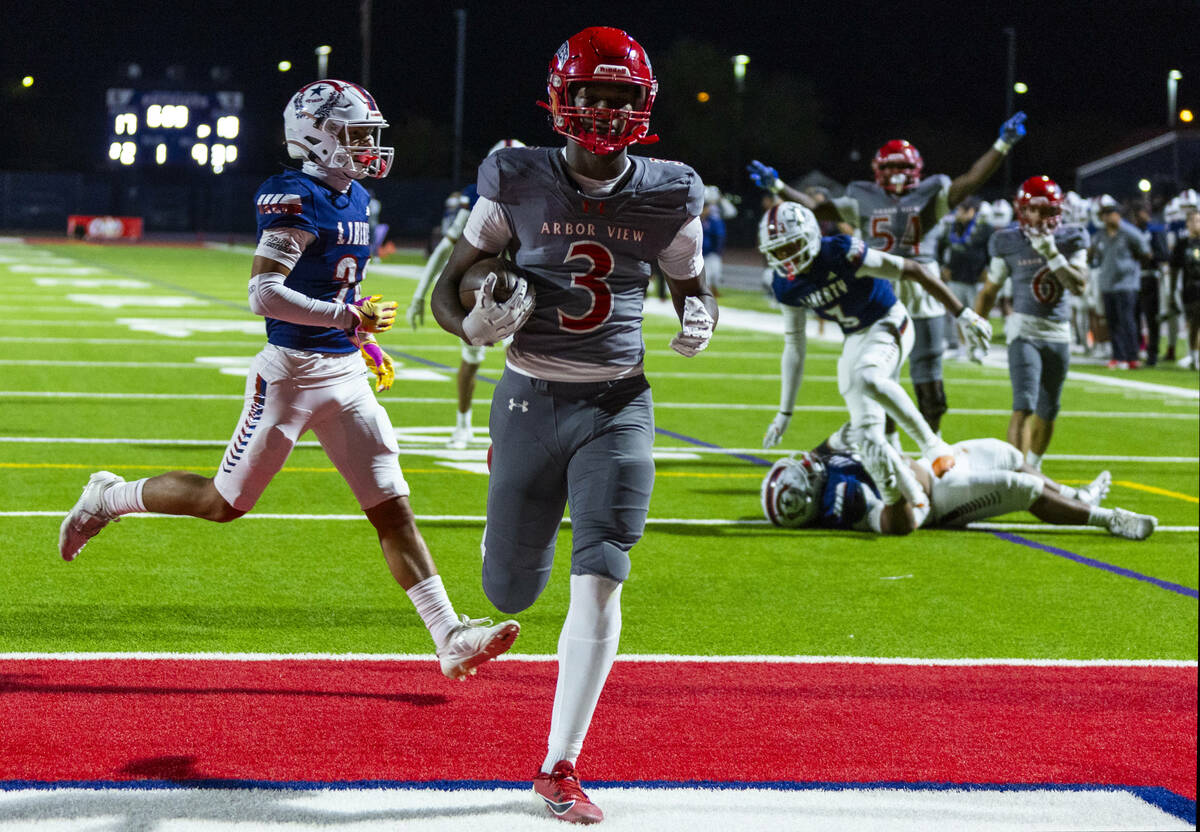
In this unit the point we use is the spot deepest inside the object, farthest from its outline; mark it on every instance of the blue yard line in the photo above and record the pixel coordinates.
(1168, 801)
(1097, 564)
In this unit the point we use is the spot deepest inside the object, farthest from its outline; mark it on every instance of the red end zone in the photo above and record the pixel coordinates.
(120, 719)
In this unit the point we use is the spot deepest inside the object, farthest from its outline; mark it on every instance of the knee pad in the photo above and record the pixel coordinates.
(605, 559)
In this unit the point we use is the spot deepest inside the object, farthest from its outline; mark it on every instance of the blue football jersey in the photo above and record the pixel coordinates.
(831, 288)
(334, 263)
(848, 493)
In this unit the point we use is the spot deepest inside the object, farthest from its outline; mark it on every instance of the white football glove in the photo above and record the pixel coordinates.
(881, 463)
(1044, 245)
(976, 332)
(489, 321)
(697, 328)
(776, 429)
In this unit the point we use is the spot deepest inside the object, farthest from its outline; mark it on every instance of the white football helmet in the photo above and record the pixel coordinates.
(1002, 213)
(789, 237)
(791, 490)
(1177, 209)
(1074, 209)
(503, 143)
(320, 125)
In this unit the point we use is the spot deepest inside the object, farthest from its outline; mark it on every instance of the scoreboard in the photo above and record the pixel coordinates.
(172, 128)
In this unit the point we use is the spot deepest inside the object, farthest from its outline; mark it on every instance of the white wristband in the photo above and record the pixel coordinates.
(1057, 262)
(1001, 146)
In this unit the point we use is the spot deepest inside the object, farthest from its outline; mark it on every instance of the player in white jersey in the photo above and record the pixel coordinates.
(472, 356)
(893, 214)
(572, 417)
(313, 250)
(880, 491)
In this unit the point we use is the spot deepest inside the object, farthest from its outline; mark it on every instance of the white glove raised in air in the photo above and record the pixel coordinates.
(697, 328)
(1043, 244)
(776, 429)
(490, 321)
(976, 332)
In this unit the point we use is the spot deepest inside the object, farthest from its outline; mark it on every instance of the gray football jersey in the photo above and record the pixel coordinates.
(897, 224)
(1036, 291)
(587, 258)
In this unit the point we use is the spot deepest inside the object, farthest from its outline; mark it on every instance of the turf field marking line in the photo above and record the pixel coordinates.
(479, 519)
(1099, 564)
(1152, 489)
(905, 661)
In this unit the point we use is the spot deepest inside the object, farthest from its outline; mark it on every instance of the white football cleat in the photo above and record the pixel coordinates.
(87, 517)
(474, 642)
(1130, 525)
(459, 439)
(1094, 492)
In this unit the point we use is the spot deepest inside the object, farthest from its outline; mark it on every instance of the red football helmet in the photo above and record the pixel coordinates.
(600, 54)
(1039, 204)
(897, 166)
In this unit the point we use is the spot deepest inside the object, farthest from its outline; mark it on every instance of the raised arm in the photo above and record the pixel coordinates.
(1011, 132)
(767, 178)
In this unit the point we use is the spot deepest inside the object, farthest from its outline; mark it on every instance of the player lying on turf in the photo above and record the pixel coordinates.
(313, 248)
(884, 492)
(842, 280)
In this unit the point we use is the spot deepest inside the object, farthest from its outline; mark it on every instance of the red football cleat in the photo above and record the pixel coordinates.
(564, 796)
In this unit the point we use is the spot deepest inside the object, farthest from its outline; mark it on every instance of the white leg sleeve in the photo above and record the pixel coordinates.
(586, 650)
(791, 363)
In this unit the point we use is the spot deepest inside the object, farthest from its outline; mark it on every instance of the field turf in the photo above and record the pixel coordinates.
(132, 359)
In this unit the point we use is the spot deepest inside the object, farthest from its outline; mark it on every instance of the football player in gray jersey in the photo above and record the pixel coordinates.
(1042, 258)
(893, 214)
(572, 418)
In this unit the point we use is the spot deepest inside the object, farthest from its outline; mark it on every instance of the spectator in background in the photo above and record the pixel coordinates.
(713, 224)
(1148, 306)
(962, 253)
(1118, 251)
(1175, 214)
(1185, 284)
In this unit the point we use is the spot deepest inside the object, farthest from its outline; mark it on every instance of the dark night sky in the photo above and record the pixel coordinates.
(878, 67)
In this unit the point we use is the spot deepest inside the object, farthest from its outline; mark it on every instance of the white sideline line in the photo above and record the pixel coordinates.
(659, 405)
(909, 661)
(697, 449)
(653, 521)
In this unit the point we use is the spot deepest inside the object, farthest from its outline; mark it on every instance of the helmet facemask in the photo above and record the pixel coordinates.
(791, 491)
(789, 237)
(1039, 215)
(337, 126)
(602, 130)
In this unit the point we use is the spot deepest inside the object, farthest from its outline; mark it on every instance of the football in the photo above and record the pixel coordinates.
(507, 276)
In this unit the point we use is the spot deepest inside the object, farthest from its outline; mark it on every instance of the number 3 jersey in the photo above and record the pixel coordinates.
(1041, 309)
(587, 258)
(332, 265)
(832, 288)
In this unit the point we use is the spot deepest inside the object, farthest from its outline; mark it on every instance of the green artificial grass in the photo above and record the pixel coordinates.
(734, 588)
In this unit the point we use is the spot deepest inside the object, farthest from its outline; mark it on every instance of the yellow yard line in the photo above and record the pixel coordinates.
(1156, 490)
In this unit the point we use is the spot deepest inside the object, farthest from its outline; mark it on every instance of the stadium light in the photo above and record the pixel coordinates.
(27, 81)
(1186, 116)
(1173, 79)
(1020, 88)
(739, 70)
(1144, 185)
(702, 97)
(284, 66)
(323, 60)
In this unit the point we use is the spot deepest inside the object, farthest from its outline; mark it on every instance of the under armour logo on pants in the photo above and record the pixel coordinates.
(513, 404)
